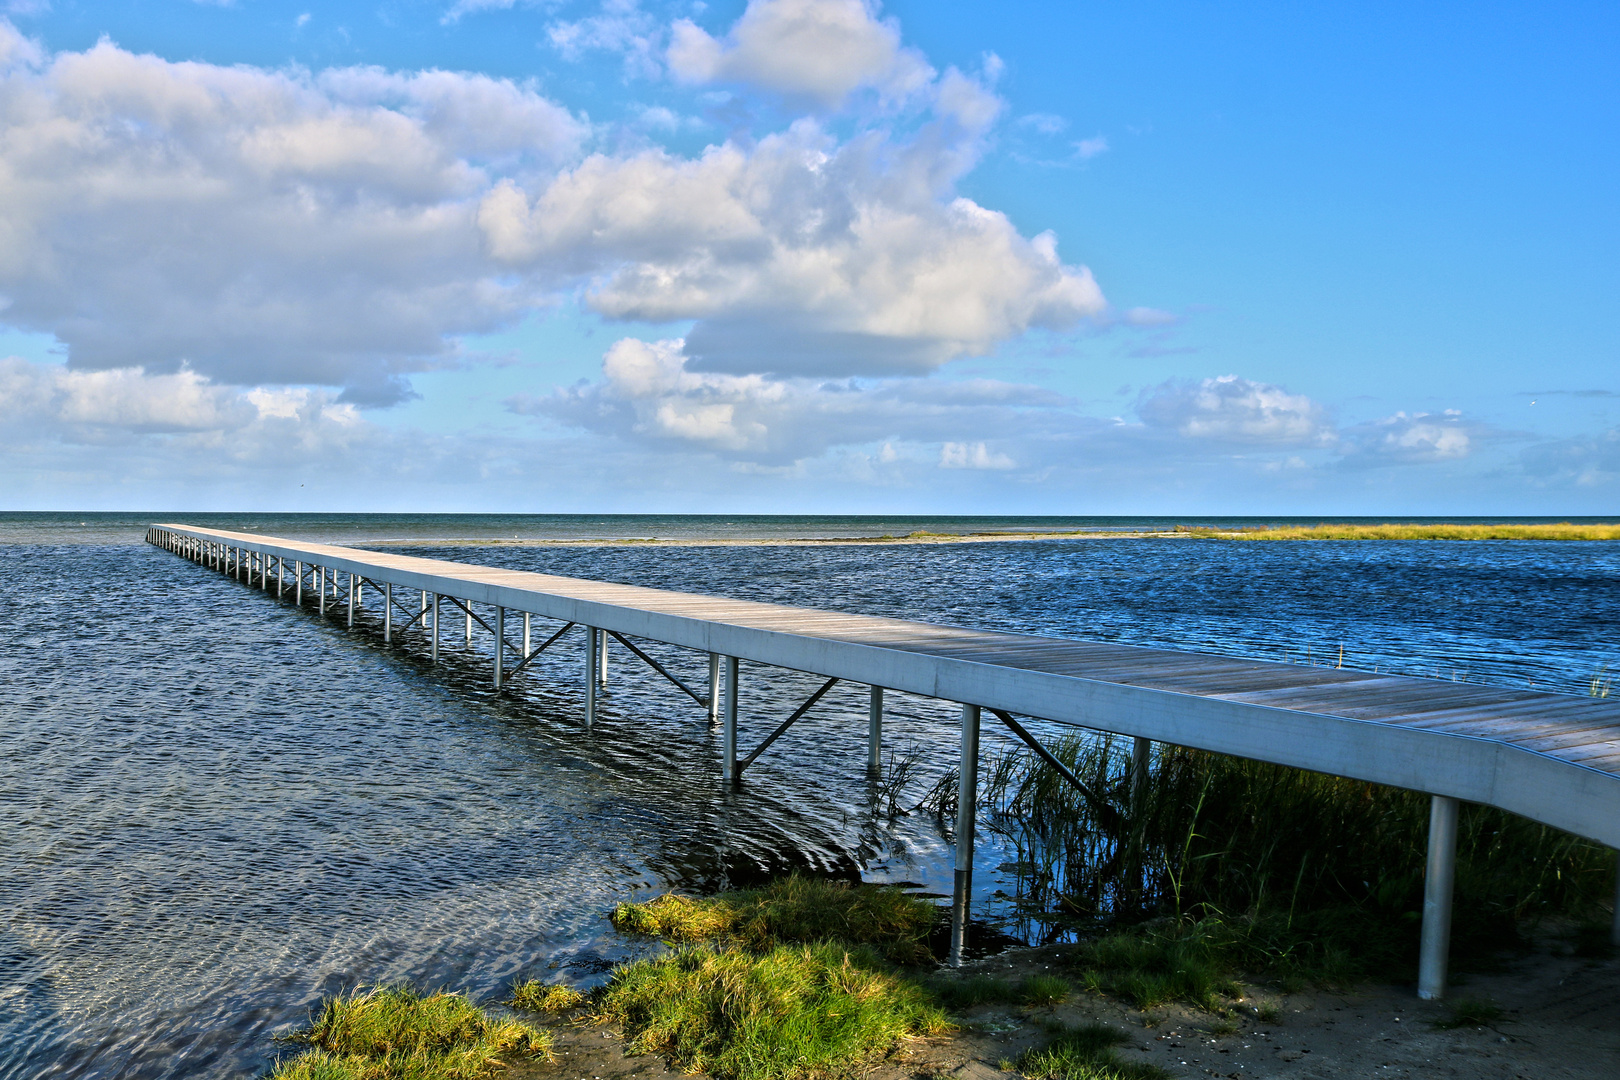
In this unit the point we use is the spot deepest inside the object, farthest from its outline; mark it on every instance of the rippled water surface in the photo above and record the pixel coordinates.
(218, 807)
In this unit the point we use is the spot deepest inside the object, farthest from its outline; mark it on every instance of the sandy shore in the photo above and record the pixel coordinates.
(1561, 1022)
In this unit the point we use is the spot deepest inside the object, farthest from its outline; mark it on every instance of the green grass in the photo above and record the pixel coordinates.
(1471, 1012)
(535, 996)
(1085, 1053)
(1561, 531)
(400, 1034)
(791, 1011)
(791, 909)
(971, 990)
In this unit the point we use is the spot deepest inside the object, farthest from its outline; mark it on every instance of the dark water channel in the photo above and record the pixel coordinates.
(217, 807)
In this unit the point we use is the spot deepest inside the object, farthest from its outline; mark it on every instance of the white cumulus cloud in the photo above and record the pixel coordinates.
(1234, 410)
(821, 51)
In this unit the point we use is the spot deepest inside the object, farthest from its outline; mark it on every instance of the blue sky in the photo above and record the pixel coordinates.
(810, 255)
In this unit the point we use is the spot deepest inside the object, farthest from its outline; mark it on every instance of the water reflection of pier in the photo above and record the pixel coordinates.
(1550, 757)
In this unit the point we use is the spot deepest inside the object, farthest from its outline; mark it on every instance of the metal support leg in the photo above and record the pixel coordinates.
(967, 797)
(714, 688)
(1438, 876)
(601, 664)
(320, 583)
(469, 630)
(351, 599)
(728, 737)
(388, 612)
(281, 576)
(591, 656)
(298, 582)
(435, 628)
(500, 645)
(527, 648)
(874, 732)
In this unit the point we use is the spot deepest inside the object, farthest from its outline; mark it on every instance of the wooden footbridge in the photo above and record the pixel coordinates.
(1550, 757)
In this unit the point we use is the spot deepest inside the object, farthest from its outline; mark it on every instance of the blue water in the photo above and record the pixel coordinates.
(218, 807)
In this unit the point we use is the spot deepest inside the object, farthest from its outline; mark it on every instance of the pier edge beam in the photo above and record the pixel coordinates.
(728, 736)
(591, 656)
(874, 732)
(1439, 875)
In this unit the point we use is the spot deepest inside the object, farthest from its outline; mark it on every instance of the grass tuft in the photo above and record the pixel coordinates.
(399, 1034)
(1471, 1012)
(1085, 1053)
(1044, 990)
(535, 996)
(793, 1011)
(791, 909)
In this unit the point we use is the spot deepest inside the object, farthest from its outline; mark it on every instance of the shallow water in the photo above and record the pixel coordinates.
(219, 807)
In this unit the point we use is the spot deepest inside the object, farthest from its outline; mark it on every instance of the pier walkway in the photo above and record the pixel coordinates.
(1553, 758)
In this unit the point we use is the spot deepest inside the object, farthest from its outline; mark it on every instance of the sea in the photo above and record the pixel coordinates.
(217, 807)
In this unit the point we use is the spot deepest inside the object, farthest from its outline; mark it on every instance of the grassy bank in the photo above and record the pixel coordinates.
(1560, 531)
(399, 1034)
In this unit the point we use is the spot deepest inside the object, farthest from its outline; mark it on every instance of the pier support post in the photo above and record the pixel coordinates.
(281, 576)
(320, 583)
(591, 656)
(527, 648)
(714, 688)
(728, 734)
(967, 798)
(500, 644)
(388, 612)
(469, 630)
(1435, 949)
(298, 582)
(874, 732)
(601, 664)
(351, 599)
(435, 628)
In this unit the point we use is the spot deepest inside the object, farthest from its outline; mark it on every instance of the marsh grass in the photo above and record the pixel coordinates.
(1085, 1053)
(535, 996)
(395, 1033)
(792, 1011)
(791, 909)
(1561, 531)
(1230, 866)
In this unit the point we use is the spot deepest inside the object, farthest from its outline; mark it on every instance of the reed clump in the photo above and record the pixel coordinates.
(791, 909)
(396, 1033)
(1396, 531)
(791, 1011)
(1214, 866)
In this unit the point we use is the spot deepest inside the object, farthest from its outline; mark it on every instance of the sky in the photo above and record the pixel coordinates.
(810, 256)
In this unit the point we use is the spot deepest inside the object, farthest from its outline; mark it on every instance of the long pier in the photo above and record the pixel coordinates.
(1554, 758)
